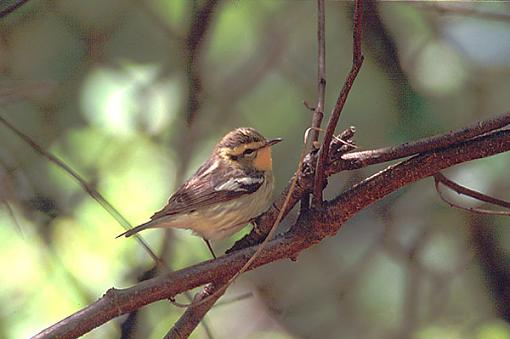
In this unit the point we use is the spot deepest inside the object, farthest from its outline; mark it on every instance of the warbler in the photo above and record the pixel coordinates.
(231, 188)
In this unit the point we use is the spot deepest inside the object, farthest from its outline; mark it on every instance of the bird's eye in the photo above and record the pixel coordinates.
(249, 151)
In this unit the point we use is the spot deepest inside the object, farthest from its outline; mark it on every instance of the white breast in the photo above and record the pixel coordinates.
(221, 220)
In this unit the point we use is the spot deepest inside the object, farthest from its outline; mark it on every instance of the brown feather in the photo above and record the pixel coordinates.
(201, 189)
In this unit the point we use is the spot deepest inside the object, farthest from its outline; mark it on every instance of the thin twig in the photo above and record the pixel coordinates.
(355, 160)
(440, 178)
(204, 304)
(471, 193)
(311, 228)
(231, 300)
(11, 8)
(357, 61)
(194, 314)
(160, 263)
(86, 187)
(318, 113)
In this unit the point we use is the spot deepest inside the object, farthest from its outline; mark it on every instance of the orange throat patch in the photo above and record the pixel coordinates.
(263, 161)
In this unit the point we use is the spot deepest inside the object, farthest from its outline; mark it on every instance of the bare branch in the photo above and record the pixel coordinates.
(11, 8)
(439, 178)
(86, 187)
(357, 61)
(195, 314)
(318, 113)
(310, 229)
(362, 159)
(355, 160)
(195, 36)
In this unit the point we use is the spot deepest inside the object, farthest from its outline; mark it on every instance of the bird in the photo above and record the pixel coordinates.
(228, 191)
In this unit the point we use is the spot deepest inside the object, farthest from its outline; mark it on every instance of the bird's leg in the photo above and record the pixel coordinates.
(209, 247)
(256, 228)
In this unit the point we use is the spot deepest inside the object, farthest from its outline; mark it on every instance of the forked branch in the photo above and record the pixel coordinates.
(357, 61)
(310, 229)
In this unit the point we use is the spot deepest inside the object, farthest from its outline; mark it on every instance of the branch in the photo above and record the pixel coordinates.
(193, 40)
(318, 113)
(195, 314)
(356, 160)
(11, 8)
(85, 186)
(311, 227)
(439, 178)
(357, 61)
(469, 192)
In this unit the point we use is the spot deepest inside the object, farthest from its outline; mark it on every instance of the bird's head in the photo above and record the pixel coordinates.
(247, 148)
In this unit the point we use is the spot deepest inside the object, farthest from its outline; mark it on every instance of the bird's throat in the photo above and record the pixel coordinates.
(263, 161)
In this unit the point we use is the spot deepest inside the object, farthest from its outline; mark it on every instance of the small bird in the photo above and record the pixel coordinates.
(227, 192)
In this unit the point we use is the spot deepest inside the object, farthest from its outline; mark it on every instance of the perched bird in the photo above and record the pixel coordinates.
(227, 192)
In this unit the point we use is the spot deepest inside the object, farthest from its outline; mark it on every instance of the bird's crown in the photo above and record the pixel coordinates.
(242, 138)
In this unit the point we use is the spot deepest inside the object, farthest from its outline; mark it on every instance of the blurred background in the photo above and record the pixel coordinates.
(134, 94)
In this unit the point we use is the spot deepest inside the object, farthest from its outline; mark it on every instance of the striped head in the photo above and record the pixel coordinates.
(247, 148)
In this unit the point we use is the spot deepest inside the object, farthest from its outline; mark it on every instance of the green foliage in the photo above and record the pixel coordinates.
(104, 85)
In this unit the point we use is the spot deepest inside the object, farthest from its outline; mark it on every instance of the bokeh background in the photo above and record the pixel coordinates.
(134, 94)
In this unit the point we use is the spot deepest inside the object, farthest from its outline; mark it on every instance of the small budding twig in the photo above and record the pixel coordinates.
(357, 61)
(440, 178)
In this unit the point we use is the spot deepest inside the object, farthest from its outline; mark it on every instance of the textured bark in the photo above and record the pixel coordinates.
(311, 227)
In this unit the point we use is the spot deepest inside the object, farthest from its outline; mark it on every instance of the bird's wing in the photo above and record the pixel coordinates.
(204, 190)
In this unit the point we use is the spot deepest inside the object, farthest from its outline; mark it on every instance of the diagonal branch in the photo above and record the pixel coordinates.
(195, 314)
(311, 227)
(469, 192)
(357, 61)
(11, 8)
(356, 160)
(439, 178)
(85, 186)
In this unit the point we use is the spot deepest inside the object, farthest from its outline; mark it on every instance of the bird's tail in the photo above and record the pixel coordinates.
(136, 229)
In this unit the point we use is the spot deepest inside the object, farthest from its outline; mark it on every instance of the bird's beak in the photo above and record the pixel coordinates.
(272, 142)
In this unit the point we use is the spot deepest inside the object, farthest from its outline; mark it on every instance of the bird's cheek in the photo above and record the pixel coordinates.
(263, 160)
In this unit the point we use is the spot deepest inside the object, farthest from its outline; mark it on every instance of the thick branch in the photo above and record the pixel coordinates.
(310, 229)
(356, 160)
(362, 159)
